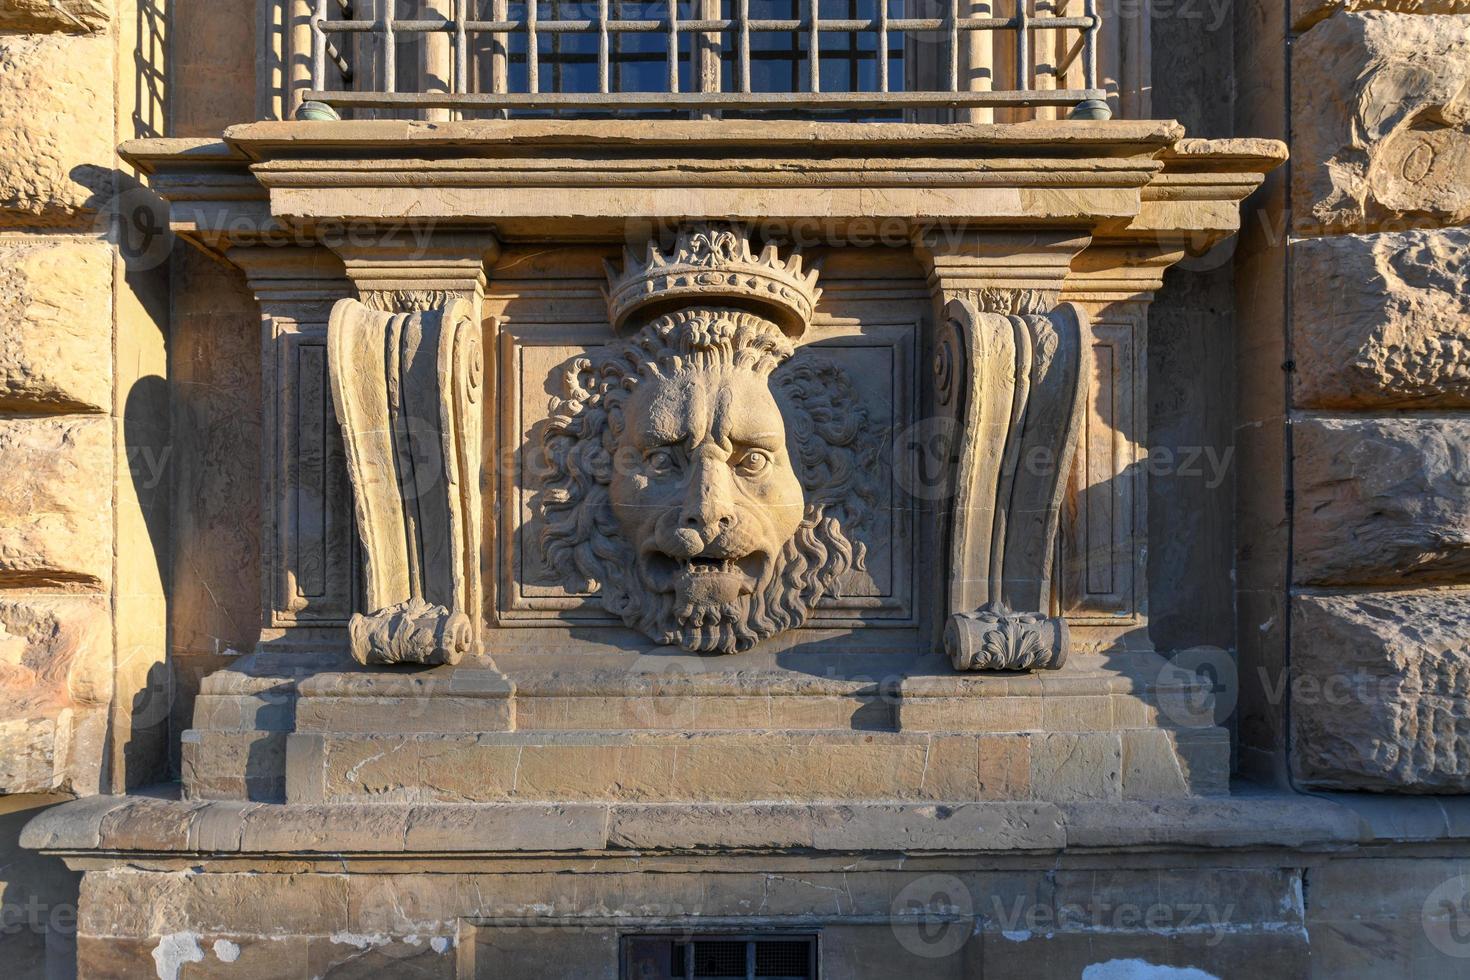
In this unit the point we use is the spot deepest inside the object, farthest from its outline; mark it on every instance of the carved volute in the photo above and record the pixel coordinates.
(407, 390)
(1011, 383)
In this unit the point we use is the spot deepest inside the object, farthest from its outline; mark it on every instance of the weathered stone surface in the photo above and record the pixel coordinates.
(1380, 695)
(1383, 320)
(1390, 917)
(1381, 126)
(1382, 501)
(55, 684)
(56, 133)
(1305, 13)
(71, 16)
(55, 500)
(54, 653)
(55, 324)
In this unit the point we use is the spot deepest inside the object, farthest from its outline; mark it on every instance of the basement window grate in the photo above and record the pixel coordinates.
(778, 956)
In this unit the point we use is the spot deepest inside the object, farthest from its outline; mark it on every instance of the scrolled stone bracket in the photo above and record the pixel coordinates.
(408, 391)
(1012, 384)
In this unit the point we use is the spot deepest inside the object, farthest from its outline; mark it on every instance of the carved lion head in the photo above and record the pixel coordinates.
(705, 482)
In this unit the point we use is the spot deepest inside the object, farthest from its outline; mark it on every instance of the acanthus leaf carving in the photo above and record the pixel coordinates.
(994, 638)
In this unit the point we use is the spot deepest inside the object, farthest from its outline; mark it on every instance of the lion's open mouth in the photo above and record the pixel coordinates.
(704, 578)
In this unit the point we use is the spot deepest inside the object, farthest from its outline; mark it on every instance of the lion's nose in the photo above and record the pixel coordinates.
(709, 509)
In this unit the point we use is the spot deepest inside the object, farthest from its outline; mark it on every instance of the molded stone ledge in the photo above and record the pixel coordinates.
(224, 829)
(1134, 180)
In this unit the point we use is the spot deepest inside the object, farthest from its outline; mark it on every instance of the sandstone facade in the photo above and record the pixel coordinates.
(55, 301)
(56, 131)
(1382, 320)
(54, 504)
(73, 16)
(1380, 122)
(1382, 501)
(833, 774)
(1306, 13)
(1381, 691)
(1379, 325)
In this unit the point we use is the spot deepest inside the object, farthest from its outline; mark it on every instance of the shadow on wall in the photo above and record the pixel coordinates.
(38, 918)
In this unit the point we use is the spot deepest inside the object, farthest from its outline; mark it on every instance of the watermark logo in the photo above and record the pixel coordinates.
(1446, 917)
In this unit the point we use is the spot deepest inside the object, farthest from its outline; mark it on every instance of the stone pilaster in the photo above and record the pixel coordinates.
(309, 574)
(1104, 551)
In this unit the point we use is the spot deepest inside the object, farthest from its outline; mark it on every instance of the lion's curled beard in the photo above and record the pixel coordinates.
(809, 566)
(835, 455)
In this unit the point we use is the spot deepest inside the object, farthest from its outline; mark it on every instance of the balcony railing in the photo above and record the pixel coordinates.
(852, 58)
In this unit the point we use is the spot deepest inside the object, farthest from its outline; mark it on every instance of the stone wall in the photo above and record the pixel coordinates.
(83, 447)
(1380, 350)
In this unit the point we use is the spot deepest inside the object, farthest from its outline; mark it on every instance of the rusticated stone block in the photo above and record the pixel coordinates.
(1381, 132)
(1382, 501)
(55, 500)
(55, 324)
(53, 651)
(71, 16)
(1305, 13)
(1383, 320)
(55, 129)
(1380, 692)
(55, 680)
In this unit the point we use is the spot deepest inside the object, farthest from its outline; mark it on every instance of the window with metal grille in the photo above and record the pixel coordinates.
(857, 58)
(776, 956)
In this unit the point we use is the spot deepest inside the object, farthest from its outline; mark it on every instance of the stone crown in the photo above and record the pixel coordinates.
(713, 265)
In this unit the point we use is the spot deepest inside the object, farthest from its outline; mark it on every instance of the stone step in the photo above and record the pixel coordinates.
(755, 765)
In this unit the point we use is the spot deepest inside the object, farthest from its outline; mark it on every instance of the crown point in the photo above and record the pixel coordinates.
(711, 264)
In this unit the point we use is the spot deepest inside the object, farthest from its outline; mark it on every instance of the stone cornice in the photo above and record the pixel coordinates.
(161, 831)
(1122, 181)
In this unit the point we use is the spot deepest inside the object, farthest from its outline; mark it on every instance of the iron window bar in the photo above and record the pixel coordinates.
(731, 37)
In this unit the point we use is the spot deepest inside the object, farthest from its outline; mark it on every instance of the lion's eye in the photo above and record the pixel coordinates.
(660, 461)
(753, 462)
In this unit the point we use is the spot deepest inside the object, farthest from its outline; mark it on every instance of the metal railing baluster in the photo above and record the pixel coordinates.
(814, 46)
(673, 60)
(1023, 45)
(533, 56)
(319, 47)
(603, 46)
(882, 45)
(743, 6)
(954, 45)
